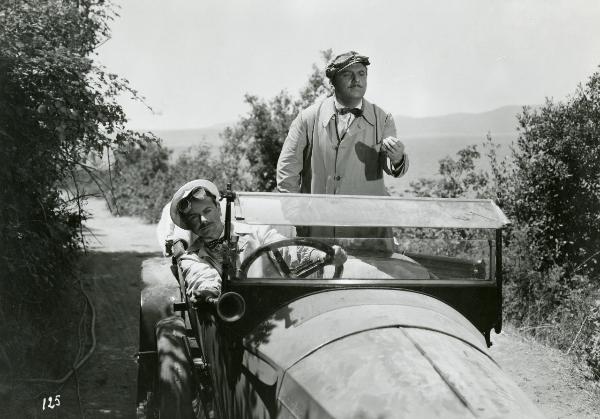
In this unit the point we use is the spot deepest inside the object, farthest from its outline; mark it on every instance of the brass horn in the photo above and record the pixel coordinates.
(231, 307)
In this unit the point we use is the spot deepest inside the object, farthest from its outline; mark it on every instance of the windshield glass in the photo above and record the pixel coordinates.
(367, 211)
(381, 237)
(372, 253)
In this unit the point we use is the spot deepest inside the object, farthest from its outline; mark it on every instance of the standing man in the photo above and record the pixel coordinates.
(343, 144)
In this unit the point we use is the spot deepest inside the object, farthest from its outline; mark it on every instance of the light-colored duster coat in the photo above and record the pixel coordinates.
(201, 268)
(312, 159)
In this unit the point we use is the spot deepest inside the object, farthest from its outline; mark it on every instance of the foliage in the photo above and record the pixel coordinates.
(459, 178)
(557, 186)
(553, 199)
(462, 177)
(56, 107)
(135, 174)
(145, 179)
(548, 191)
(251, 147)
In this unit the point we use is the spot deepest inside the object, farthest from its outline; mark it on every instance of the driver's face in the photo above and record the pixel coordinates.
(204, 218)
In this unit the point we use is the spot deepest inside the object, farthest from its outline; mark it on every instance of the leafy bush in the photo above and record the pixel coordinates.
(136, 173)
(252, 146)
(56, 107)
(145, 180)
(557, 309)
(550, 287)
(557, 186)
(458, 178)
(591, 338)
(554, 201)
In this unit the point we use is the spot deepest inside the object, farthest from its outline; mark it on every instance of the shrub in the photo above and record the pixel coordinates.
(56, 107)
(144, 180)
(458, 178)
(557, 187)
(544, 295)
(138, 174)
(252, 146)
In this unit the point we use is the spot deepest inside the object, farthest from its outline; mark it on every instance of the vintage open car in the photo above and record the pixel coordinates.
(401, 330)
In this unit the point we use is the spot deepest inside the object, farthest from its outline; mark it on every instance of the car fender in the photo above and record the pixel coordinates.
(159, 291)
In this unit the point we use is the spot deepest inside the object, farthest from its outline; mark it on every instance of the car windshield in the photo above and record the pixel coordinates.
(366, 211)
(384, 238)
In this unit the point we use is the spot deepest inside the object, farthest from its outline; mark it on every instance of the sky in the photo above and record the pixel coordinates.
(194, 60)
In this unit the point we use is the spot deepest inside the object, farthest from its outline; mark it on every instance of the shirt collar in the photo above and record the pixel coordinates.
(240, 229)
(328, 110)
(339, 106)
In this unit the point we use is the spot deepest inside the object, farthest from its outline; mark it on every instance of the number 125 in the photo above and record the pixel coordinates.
(52, 402)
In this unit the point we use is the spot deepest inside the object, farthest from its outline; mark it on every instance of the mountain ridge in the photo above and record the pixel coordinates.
(501, 120)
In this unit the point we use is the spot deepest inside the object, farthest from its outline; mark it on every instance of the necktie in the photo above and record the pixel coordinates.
(213, 244)
(216, 249)
(354, 111)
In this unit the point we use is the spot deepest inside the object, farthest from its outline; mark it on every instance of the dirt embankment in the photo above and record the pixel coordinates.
(106, 384)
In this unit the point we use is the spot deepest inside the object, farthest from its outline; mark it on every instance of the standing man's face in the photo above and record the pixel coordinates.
(350, 84)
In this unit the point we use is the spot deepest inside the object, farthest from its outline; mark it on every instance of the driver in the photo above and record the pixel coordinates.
(195, 208)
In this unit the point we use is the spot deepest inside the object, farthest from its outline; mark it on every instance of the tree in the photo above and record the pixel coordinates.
(144, 178)
(57, 106)
(458, 178)
(557, 189)
(252, 146)
(135, 185)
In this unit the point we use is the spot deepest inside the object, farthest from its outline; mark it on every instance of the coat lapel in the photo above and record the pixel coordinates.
(327, 112)
(327, 129)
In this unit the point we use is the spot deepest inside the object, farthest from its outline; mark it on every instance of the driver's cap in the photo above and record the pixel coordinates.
(184, 192)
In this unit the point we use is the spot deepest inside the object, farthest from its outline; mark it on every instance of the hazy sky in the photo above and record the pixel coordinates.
(195, 59)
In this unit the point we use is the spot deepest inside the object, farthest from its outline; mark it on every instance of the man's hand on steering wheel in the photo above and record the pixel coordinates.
(321, 255)
(339, 256)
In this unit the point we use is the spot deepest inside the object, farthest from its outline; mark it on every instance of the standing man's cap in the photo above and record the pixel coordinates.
(184, 192)
(344, 60)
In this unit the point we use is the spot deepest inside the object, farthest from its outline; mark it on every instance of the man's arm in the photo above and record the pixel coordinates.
(291, 159)
(202, 280)
(167, 231)
(181, 240)
(266, 235)
(397, 161)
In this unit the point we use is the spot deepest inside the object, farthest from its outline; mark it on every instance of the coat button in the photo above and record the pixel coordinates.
(337, 178)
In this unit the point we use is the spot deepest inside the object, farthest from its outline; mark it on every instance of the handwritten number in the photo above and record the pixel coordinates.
(52, 402)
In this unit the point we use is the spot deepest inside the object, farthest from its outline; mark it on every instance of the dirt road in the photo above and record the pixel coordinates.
(107, 383)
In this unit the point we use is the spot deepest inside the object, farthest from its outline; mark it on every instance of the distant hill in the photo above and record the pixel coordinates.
(498, 121)
(501, 121)
(182, 139)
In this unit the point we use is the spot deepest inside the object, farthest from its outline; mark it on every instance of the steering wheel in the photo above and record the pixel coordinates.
(302, 270)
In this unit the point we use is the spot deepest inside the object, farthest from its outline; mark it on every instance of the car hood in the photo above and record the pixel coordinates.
(308, 323)
(400, 373)
(379, 353)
